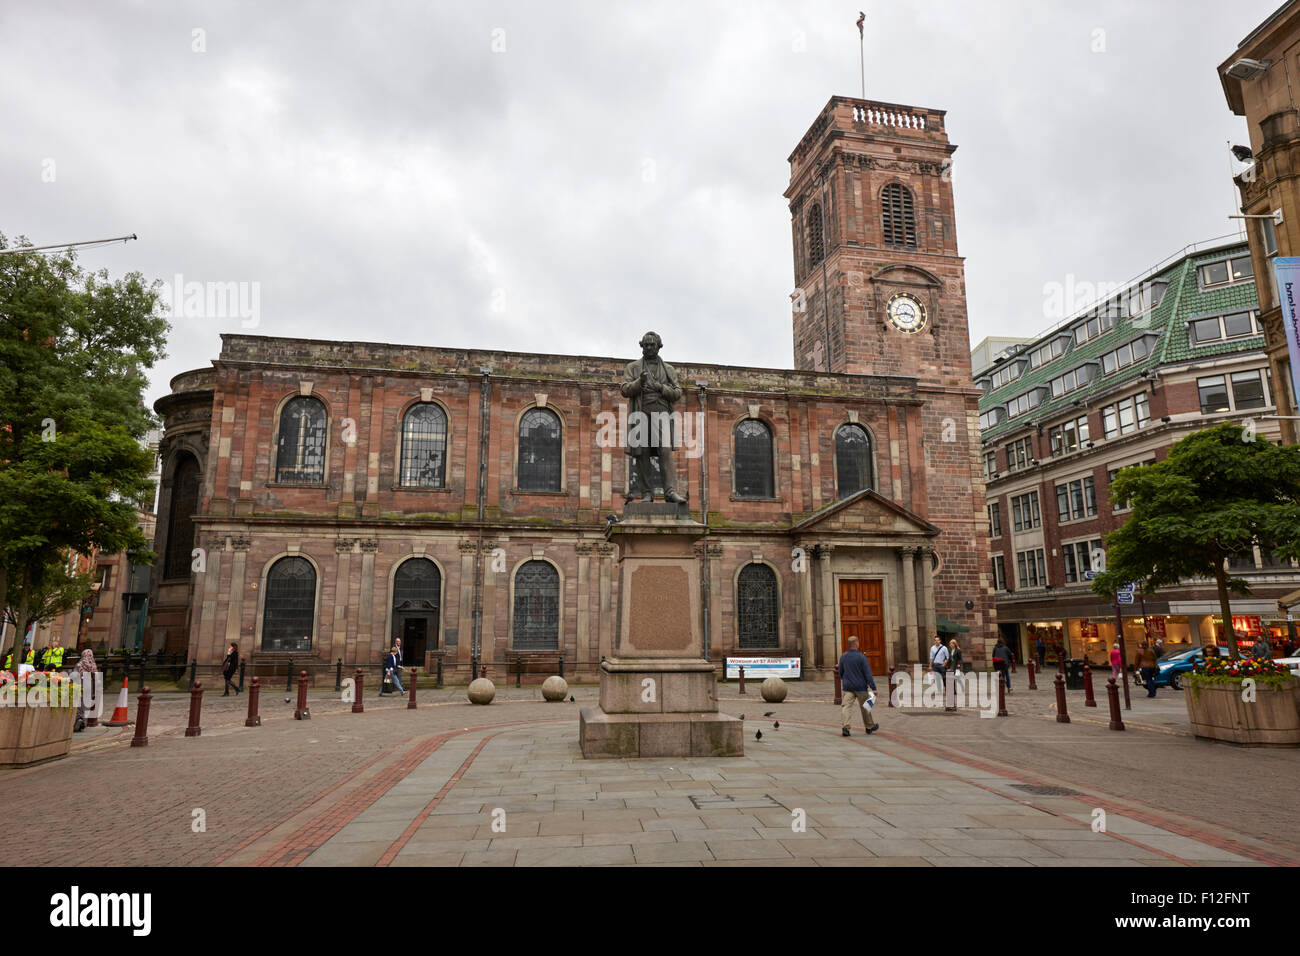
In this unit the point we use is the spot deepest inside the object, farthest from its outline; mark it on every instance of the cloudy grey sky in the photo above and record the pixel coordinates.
(561, 176)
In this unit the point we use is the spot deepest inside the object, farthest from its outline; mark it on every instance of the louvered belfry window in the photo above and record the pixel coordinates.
(290, 610)
(816, 248)
(753, 460)
(852, 460)
(898, 216)
(756, 607)
(301, 454)
(537, 607)
(424, 446)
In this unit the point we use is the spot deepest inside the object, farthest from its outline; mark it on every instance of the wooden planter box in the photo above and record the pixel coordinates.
(31, 735)
(1217, 711)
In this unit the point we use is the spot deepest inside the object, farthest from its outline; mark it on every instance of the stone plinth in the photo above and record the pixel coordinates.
(657, 693)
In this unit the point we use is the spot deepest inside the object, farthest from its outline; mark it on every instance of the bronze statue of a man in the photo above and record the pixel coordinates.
(651, 385)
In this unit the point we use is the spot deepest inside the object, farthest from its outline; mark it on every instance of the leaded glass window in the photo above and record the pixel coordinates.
(539, 451)
(301, 454)
(898, 216)
(417, 586)
(424, 446)
(852, 459)
(753, 460)
(756, 607)
(290, 610)
(180, 520)
(537, 607)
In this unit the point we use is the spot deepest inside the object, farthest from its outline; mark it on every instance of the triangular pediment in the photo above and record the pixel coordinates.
(865, 513)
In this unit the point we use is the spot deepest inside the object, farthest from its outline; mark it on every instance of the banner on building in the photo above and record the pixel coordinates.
(758, 668)
(1287, 270)
(1157, 627)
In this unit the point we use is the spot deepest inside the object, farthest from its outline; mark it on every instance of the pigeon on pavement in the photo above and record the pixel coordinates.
(759, 735)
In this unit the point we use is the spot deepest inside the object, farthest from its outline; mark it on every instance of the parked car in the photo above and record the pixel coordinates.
(1172, 666)
(1290, 663)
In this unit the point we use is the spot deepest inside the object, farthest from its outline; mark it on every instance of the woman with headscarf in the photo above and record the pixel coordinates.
(84, 675)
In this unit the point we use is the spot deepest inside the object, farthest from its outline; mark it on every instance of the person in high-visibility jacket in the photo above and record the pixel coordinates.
(54, 656)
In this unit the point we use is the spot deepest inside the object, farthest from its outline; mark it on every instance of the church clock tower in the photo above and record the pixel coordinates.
(881, 288)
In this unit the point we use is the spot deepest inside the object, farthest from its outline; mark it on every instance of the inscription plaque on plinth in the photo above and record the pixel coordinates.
(657, 692)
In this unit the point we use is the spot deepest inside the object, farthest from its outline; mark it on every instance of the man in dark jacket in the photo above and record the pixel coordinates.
(1002, 662)
(855, 682)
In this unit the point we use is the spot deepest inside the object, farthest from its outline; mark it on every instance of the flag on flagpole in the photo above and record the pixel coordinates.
(861, 19)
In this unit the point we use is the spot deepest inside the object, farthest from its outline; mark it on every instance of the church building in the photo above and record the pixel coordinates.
(320, 499)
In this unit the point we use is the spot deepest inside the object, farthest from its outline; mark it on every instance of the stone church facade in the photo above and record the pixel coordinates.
(320, 499)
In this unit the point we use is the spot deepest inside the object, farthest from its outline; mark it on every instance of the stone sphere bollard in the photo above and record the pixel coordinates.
(773, 690)
(554, 688)
(481, 691)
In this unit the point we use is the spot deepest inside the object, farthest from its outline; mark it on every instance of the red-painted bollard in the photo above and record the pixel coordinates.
(1088, 699)
(839, 690)
(1062, 715)
(196, 707)
(1112, 695)
(410, 704)
(484, 671)
(358, 679)
(742, 678)
(1033, 684)
(1002, 695)
(254, 719)
(141, 738)
(302, 713)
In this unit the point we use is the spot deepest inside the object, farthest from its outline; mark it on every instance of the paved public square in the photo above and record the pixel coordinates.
(454, 784)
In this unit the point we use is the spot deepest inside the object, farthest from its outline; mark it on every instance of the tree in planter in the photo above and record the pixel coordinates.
(1220, 492)
(74, 347)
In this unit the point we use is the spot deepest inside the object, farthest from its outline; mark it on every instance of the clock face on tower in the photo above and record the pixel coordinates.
(906, 312)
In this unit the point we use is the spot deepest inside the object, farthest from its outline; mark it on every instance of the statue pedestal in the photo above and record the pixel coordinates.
(657, 693)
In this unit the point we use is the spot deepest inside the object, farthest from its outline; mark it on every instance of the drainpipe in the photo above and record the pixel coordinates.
(704, 510)
(485, 389)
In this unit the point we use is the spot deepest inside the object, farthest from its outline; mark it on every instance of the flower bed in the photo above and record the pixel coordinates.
(1221, 706)
(36, 716)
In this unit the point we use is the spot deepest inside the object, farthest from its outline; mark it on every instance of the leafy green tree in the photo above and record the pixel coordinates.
(74, 347)
(1220, 492)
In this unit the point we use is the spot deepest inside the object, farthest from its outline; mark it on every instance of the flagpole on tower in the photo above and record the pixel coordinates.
(862, 57)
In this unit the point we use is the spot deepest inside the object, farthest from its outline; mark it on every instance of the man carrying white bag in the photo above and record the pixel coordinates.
(857, 688)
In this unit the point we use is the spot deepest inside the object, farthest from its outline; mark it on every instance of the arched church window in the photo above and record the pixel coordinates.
(852, 460)
(753, 452)
(540, 452)
(288, 616)
(537, 607)
(424, 446)
(180, 519)
(301, 452)
(756, 607)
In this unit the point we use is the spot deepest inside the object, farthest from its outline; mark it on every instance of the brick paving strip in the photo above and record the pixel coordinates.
(315, 834)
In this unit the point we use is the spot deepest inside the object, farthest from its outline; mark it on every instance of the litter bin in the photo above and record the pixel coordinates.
(1074, 673)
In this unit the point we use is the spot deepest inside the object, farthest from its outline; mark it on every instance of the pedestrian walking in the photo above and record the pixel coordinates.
(1041, 646)
(938, 660)
(856, 684)
(954, 663)
(1116, 664)
(1147, 666)
(85, 676)
(229, 668)
(1002, 661)
(1159, 648)
(390, 670)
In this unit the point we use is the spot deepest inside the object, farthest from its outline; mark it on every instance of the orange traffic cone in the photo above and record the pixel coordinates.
(119, 718)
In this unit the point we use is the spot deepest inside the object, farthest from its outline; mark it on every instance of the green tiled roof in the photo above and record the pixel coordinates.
(1183, 301)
